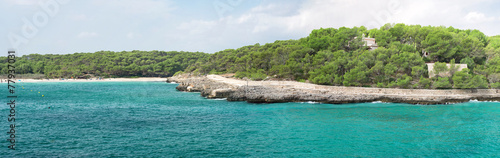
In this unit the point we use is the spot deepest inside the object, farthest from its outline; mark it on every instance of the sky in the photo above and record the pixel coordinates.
(71, 26)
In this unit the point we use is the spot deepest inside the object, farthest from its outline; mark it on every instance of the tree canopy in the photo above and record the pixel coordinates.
(105, 64)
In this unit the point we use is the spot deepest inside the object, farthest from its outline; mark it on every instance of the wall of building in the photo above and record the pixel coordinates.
(430, 69)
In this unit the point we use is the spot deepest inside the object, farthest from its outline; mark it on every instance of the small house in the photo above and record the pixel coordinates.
(370, 43)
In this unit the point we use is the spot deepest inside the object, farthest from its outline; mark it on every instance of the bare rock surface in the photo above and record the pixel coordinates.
(214, 86)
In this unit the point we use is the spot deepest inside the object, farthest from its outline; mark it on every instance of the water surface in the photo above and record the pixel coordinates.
(152, 119)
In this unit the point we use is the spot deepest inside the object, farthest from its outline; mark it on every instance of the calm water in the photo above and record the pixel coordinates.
(152, 119)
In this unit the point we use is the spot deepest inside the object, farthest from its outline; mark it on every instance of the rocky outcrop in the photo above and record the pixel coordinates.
(207, 87)
(287, 91)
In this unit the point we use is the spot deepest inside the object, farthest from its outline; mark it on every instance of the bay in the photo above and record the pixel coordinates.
(152, 119)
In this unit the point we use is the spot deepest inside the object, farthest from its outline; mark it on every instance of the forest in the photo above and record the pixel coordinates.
(328, 56)
(105, 64)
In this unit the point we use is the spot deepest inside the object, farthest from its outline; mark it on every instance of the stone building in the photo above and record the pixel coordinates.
(368, 42)
(430, 69)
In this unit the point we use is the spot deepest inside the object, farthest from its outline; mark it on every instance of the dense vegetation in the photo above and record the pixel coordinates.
(327, 56)
(105, 64)
(338, 57)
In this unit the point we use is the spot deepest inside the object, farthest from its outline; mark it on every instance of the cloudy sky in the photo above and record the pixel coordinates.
(69, 26)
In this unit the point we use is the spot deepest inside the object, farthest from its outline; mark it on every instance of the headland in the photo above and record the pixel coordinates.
(215, 86)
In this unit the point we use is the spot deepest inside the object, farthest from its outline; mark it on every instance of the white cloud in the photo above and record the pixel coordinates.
(197, 26)
(304, 17)
(244, 18)
(475, 17)
(87, 35)
(315, 14)
(178, 25)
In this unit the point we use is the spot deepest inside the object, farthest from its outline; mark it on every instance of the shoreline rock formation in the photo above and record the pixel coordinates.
(214, 86)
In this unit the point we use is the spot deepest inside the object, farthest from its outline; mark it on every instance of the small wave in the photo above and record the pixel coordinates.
(310, 102)
(380, 102)
(173, 82)
(476, 101)
(473, 100)
(220, 99)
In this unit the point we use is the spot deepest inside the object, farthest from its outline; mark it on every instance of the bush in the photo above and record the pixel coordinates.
(380, 85)
(478, 81)
(461, 79)
(178, 73)
(424, 82)
(442, 83)
(253, 74)
(496, 85)
(404, 81)
(241, 74)
(392, 84)
(259, 75)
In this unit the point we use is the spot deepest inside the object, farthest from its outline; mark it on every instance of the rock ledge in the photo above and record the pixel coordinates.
(214, 86)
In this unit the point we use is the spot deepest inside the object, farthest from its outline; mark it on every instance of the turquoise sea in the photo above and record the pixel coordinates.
(152, 119)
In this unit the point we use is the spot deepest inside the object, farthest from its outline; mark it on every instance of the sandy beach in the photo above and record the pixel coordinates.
(141, 79)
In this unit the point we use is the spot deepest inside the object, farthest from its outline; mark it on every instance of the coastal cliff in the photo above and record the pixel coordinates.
(214, 86)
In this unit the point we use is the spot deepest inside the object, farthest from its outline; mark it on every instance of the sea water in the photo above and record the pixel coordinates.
(152, 119)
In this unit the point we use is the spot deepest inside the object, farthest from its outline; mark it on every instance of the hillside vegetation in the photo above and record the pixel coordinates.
(331, 56)
(105, 64)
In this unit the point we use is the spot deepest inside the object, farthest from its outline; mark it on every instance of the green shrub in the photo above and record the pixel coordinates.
(442, 83)
(496, 85)
(424, 82)
(404, 81)
(178, 73)
(380, 85)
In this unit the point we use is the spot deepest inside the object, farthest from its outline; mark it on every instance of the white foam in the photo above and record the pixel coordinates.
(476, 101)
(310, 102)
(220, 99)
(473, 100)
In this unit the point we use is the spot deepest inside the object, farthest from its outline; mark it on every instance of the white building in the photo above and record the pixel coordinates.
(370, 43)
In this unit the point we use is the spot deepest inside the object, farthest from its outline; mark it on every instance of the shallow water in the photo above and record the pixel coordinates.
(152, 119)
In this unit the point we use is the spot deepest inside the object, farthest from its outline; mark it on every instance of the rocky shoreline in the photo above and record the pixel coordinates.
(214, 86)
